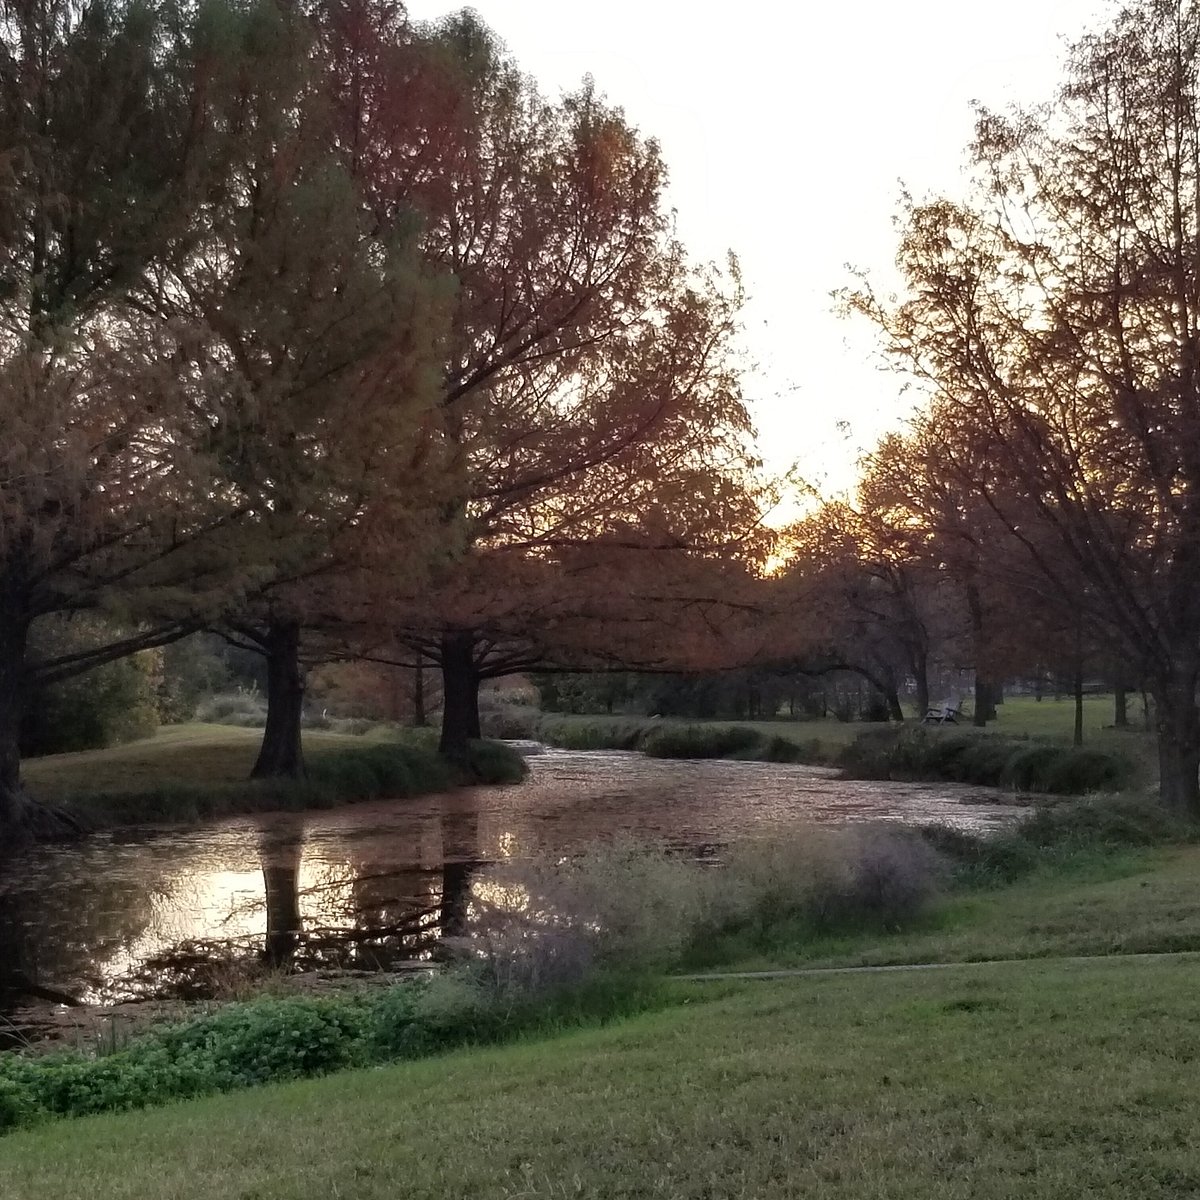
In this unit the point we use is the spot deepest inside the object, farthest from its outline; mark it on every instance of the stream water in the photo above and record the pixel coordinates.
(370, 886)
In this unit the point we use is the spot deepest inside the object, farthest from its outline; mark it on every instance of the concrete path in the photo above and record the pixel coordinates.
(808, 972)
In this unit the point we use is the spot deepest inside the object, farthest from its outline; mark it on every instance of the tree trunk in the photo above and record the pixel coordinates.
(1120, 708)
(921, 677)
(282, 754)
(22, 820)
(1077, 735)
(892, 695)
(420, 716)
(1178, 727)
(983, 710)
(14, 804)
(460, 693)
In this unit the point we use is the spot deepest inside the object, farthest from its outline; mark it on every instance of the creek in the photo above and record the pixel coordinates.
(153, 911)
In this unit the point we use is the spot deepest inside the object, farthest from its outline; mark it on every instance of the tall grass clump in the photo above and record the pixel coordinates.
(598, 733)
(701, 741)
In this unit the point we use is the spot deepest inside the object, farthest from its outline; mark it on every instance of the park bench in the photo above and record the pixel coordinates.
(943, 714)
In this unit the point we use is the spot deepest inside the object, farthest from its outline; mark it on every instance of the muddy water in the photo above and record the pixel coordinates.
(376, 885)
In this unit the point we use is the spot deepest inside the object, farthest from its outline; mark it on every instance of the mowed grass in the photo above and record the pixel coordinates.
(1130, 902)
(1041, 1080)
(1019, 716)
(177, 754)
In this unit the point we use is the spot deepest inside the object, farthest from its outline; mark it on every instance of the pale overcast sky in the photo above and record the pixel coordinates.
(788, 130)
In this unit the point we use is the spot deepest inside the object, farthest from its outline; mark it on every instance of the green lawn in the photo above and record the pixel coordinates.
(987, 1082)
(1020, 716)
(1125, 903)
(177, 754)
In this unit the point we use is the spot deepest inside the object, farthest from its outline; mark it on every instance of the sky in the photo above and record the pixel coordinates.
(789, 131)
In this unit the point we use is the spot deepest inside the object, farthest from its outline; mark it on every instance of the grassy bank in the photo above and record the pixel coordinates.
(1125, 902)
(1039, 1081)
(199, 772)
(1015, 761)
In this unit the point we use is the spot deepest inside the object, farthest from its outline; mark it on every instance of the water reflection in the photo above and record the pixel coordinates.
(376, 886)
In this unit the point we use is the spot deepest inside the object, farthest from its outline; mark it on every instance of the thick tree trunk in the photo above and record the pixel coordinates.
(1077, 735)
(22, 820)
(983, 709)
(1178, 727)
(282, 754)
(895, 712)
(1120, 708)
(460, 693)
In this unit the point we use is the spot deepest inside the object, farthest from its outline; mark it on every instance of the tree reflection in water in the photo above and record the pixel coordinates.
(361, 911)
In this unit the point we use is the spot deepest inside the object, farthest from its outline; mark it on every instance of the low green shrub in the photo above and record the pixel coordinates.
(273, 1040)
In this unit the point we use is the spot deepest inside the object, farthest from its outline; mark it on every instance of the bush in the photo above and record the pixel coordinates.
(992, 760)
(494, 763)
(701, 741)
(598, 734)
(106, 706)
(247, 1044)
(507, 720)
(545, 926)
(877, 876)
(233, 708)
(1053, 832)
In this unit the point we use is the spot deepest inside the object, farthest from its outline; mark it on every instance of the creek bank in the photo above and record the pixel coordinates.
(901, 753)
(334, 777)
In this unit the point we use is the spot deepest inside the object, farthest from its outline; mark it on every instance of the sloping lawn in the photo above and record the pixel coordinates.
(1045, 1080)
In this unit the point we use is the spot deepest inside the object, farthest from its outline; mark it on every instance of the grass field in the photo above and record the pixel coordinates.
(177, 754)
(1045, 1080)
(1021, 716)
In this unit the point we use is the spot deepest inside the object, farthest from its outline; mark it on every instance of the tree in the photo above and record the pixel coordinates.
(868, 602)
(104, 497)
(588, 381)
(1057, 315)
(320, 332)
